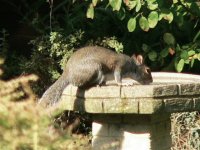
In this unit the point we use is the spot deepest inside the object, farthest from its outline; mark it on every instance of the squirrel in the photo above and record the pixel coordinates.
(94, 65)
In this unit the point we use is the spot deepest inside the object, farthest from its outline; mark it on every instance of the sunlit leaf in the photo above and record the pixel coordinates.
(94, 2)
(143, 22)
(130, 4)
(116, 4)
(167, 15)
(153, 19)
(191, 52)
(192, 63)
(90, 11)
(152, 6)
(131, 24)
(138, 6)
(180, 65)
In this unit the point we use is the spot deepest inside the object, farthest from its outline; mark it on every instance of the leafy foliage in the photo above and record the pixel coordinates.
(186, 131)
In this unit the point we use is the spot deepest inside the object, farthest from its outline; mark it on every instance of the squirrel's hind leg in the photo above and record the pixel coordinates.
(90, 74)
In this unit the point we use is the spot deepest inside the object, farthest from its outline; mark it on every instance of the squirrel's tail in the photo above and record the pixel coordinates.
(52, 95)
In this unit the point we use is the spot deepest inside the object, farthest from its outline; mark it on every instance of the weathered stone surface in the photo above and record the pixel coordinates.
(112, 106)
(190, 89)
(178, 104)
(196, 103)
(163, 95)
(150, 106)
(137, 91)
(94, 92)
(165, 90)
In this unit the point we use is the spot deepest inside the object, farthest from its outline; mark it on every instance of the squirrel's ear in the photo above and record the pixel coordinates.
(138, 59)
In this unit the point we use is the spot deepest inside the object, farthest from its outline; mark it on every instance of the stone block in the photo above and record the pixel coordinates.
(129, 106)
(178, 104)
(190, 89)
(196, 104)
(94, 106)
(112, 106)
(150, 106)
(136, 91)
(165, 90)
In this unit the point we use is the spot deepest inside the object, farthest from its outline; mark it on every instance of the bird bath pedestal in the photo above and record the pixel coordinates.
(135, 117)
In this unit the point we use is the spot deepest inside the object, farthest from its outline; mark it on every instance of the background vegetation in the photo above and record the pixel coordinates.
(37, 37)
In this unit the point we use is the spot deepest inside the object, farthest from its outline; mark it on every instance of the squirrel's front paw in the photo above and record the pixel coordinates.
(125, 84)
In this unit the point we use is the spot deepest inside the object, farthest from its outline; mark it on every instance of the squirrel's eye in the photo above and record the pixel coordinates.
(148, 71)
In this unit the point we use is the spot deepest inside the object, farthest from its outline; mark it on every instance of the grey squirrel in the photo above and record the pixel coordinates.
(94, 65)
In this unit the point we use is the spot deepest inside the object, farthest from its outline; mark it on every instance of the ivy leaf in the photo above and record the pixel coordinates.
(152, 55)
(131, 24)
(180, 65)
(153, 19)
(90, 11)
(116, 4)
(143, 22)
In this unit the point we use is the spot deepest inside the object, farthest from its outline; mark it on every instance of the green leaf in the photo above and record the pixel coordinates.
(180, 65)
(145, 47)
(192, 63)
(121, 14)
(90, 11)
(191, 52)
(184, 55)
(152, 55)
(153, 19)
(169, 39)
(116, 4)
(94, 2)
(143, 22)
(167, 15)
(164, 52)
(196, 36)
(131, 24)
(152, 6)
(139, 5)
(198, 56)
(131, 4)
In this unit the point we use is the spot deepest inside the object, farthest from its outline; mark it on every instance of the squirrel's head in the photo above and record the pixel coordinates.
(143, 73)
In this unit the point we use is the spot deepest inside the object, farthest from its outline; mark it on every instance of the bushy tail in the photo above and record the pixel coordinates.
(52, 95)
